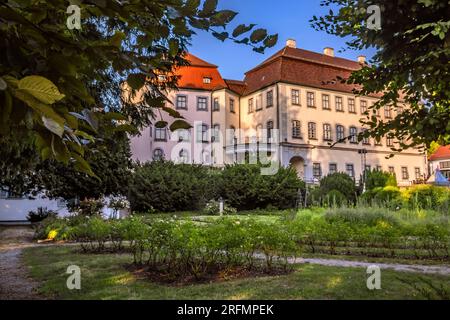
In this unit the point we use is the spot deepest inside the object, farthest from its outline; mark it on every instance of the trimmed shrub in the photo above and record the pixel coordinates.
(168, 187)
(341, 182)
(334, 198)
(379, 179)
(245, 188)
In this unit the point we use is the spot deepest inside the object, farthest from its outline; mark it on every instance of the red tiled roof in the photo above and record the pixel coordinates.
(236, 86)
(192, 76)
(441, 153)
(301, 67)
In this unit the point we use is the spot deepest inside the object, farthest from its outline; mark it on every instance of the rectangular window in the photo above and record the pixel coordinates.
(417, 173)
(311, 101)
(269, 99)
(216, 133)
(182, 102)
(405, 173)
(216, 106)
(326, 102)
(444, 165)
(389, 141)
(259, 102)
(269, 131)
(367, 168)
(377, 110)
(378, 142)
(296, 130)
(350, 170)
(363, 107)
(351, 105)
(295, 97)
(250, 105)
(391, 170)
(379, 168)
(339, 104)
(340, 132)
(365, 140)
(232, 106)
(183, 135)
(206, 80)
(312, 131)
(202, 133)
(387, 112)
(353, 135)
(202, 104)
(160, 134)
(332, 168)
(317, 170)
(327, 135)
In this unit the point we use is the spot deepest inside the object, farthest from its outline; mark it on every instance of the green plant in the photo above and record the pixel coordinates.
(212, 208)
(334, 198)
(341, 182)
(379, 179)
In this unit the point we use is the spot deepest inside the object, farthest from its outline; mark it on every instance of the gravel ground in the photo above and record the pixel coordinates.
(15, 284)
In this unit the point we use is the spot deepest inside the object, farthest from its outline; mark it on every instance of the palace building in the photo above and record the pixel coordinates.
(290, 106)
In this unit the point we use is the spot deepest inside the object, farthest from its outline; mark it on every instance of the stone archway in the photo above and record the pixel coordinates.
(298, 163)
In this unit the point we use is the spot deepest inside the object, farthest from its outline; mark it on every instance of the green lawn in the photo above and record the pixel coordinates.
(104, 277)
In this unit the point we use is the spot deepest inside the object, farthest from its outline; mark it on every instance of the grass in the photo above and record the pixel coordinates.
(104, 277)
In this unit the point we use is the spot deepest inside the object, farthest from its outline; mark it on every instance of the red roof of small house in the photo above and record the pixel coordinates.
(193, 76)
(302, 67)
(441, 153)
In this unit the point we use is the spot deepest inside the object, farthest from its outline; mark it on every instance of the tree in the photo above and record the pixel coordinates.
(56, 82)
(410, 64)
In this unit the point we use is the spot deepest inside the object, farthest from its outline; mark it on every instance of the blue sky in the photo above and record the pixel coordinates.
(288, 18)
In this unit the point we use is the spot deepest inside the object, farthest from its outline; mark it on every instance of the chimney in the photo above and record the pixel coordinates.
(328, 52)
(362, 59)
(291, 43)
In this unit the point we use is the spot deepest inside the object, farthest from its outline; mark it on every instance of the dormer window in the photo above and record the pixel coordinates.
(207, 80)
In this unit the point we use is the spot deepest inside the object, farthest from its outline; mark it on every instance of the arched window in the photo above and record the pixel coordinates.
(158, 155)
(184, 156)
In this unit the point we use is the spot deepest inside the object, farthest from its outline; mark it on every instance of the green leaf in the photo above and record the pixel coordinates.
(40, 88)
(38, 106)
(271, 41)
(82, 165)
(223, 17)
(180, 124)
(241, 29)
(114, 116)
(221, 36)
(173, 113)
(161, 124)
(84, 135)
(258, 35)
(208, 8)
(126, 128)
(54, 126)
(136, 80)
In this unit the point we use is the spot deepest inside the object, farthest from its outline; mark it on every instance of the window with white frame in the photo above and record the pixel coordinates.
(363, 107)
(181, 102)
(269, 127)
(202, 133)
(340, 133)
(160, 134)
(332, 168)
(259, 132)
(216, 105)
(327, 132)
(387, 112)
(232, 110)
(351, 105)
(405, 173)
(417, 173)
(326, 102)
(250, 105)
(353, 135)
(202, 103)
(183, 135)
(389, 141)
(312, 131)
(207, 80)
(295, 97)
(296, 129)
(259, 102)
(216, 133)
(391, 170)
(310, 100)
(317, 170)
(269, 99)
(158, 155)
(350, 170)
(339, 104)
